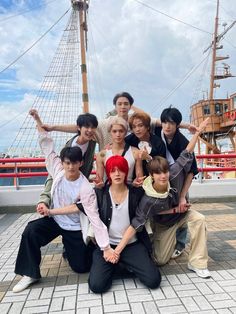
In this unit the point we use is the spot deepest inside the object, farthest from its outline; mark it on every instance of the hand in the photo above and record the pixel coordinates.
(42, 209)
(98, 183)
(203, 125)
(143, 154)
(182, 203)
(34, 114)
(192, 128)
(138, 181)
(111, 256)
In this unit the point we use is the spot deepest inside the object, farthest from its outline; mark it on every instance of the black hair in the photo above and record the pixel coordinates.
(72, 153)
(87, 120)
(123, 94)
(171, 115)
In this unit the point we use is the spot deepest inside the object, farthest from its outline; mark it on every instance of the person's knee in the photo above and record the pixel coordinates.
(79, 268)
(154, 280)
(160, 259)
(99, 286)
(30, 231)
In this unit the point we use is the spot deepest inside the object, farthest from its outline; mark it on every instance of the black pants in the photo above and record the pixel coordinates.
(40, 232)
(135, 257)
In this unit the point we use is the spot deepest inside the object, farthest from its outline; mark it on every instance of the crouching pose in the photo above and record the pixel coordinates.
(70, 191)
(117, 204)
(160, 204)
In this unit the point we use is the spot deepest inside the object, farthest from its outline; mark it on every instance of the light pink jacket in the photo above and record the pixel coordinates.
(86, 195)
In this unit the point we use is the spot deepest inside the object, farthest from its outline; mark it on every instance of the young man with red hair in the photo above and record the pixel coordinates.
(117, 203)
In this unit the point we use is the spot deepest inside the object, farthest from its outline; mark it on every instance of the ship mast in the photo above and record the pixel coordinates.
(82, 7)
(212, 81)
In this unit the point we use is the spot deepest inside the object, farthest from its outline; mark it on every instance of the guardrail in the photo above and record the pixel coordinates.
(20, 166)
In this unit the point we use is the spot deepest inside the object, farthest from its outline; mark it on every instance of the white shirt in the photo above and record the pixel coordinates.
(66, 193)
(119, 221)
(83, 147)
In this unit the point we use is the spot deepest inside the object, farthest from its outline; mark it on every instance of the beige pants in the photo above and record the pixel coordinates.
(164, 240)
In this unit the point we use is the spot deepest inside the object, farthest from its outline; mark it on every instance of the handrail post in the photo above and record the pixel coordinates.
(17, 179)
(201, 173)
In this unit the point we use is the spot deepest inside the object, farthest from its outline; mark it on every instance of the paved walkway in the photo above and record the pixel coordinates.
(63, 291)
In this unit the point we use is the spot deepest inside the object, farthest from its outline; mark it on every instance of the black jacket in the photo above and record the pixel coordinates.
(177, 145)
(105, 209)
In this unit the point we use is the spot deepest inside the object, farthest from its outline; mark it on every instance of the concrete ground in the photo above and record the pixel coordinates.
(63, 291)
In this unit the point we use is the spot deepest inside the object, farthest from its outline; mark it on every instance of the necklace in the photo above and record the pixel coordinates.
(118, 197)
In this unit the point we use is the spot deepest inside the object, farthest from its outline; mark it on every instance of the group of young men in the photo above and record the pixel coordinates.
(116, 213)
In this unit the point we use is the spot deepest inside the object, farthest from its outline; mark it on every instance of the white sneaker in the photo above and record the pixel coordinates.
(203, 273)
(24, 283)
(176, 253)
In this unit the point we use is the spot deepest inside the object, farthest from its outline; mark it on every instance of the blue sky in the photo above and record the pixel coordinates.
(131, 47)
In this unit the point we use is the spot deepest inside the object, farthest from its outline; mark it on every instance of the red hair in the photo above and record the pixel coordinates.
(117, 162)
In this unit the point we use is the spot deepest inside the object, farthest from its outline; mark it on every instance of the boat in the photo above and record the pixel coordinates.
(57, 99)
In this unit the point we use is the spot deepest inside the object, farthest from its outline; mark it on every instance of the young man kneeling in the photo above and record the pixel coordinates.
(70, 191)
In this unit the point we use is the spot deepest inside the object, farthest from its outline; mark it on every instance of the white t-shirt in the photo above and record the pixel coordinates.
(67, 193)
(119, 221)
(83, 147)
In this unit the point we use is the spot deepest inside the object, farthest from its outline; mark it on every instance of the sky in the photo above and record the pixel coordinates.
(139, 46)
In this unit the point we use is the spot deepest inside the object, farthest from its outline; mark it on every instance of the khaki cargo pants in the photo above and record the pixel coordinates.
(164, 240)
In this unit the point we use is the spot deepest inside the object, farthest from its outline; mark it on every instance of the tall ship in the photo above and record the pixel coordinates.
(64, 94)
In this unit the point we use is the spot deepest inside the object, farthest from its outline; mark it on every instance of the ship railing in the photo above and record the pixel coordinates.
(17, 168)
(216, 163)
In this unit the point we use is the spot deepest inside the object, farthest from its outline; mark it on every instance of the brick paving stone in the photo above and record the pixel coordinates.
(140, 298)
(168, 302)
(35, 310)
(116, 308)
(69, 303)
(202, 303)
(56, 304)
(217, 297)
(4, 307)
(129, 284)
(168, 292)
(96, 310)
(16, 308)
(190, 304)
(223, 304)
(34, 294)
(184, 279)
(47, 292)
(109, 298)
(203, 288)
(42, 302)
(137, 308)
(91, 303)
(88, 296)
(173, 280)
(157, 294)
(172, 309)
(150, 307)
(120, 297)
(138, 291)
(224, 311)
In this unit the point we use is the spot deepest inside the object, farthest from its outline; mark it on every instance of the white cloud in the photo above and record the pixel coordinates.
(131, 48)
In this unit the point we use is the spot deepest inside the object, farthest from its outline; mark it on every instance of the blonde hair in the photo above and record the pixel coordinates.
(119, 121)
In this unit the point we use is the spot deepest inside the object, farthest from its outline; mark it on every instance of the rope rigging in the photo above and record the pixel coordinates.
(38, 40)
(171, 17)
(26, 11)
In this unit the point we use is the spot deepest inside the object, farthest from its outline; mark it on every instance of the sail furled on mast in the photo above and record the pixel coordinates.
(58, 100)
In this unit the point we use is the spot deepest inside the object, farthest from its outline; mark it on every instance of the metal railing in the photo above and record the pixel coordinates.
(21, 166)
